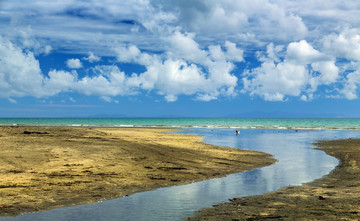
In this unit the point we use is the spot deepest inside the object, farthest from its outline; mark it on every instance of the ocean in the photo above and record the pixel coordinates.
(235, 123)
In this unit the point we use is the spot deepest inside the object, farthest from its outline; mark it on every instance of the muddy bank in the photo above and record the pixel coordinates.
(334, 197)
(47, 167)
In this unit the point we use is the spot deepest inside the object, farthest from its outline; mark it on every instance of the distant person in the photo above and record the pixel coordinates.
(237, 132)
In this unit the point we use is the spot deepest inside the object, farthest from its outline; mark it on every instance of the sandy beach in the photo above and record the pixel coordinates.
(336, 196)
(43, 168)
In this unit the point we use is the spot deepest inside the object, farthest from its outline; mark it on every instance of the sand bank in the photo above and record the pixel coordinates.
(47, 167)
(336, 196)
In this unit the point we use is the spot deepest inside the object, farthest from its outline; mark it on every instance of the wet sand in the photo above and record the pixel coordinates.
(336, 196)
(43, 168)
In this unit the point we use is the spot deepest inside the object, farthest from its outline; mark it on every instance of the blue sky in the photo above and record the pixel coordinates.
(174, 58)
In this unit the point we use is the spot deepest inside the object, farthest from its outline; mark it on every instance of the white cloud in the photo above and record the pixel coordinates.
(304, 98)
(72, 99)
(301, 71)
(275, 81)
(345, 45)
(20, 73)
(207, 97)
(272, 52)
(186, 48)
(92, 58)
(233, 53)
(108, 81)
(47, 49)
(74, 63)
(351, 86)
(329, 71)
(214, 17)
(170, 98)
(93, 26)
(107, 99)
(303, 53)
(169, 77)
(80, 27)
(12, 100)
(322, 15)
(127, 53)
(59, 81)
(172, 78)
(77, 26)
(352, 83)
(185, 69)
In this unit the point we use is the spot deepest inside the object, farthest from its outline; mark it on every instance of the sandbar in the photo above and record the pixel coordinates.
(42, 168)
(335, 196)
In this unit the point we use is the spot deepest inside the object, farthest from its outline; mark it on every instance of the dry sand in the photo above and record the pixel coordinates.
(336, 196)
(47, 167)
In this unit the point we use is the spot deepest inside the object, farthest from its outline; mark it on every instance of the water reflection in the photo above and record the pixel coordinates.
(298, 163)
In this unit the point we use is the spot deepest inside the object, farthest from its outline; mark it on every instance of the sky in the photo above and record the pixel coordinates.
(176, 58)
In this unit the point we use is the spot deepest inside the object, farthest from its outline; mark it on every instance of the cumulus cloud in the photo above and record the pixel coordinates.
(303, 53)
(300, 73)
(233, 53)
(108, 81)
(171, 76)
(217, 17)
(329, 71)
(20, 73)
(127, 53)
(92, 58)
(352, 83)
(47, 49)
(74, 63)
(58, 81)
(350, 88)
(275, 81)
(346, 44)
(186, 48)
(186, 69)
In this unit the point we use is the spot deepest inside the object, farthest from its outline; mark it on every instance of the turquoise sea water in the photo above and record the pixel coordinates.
(241, 123)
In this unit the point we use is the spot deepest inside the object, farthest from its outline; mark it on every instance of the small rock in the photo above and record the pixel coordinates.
(322, 198)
